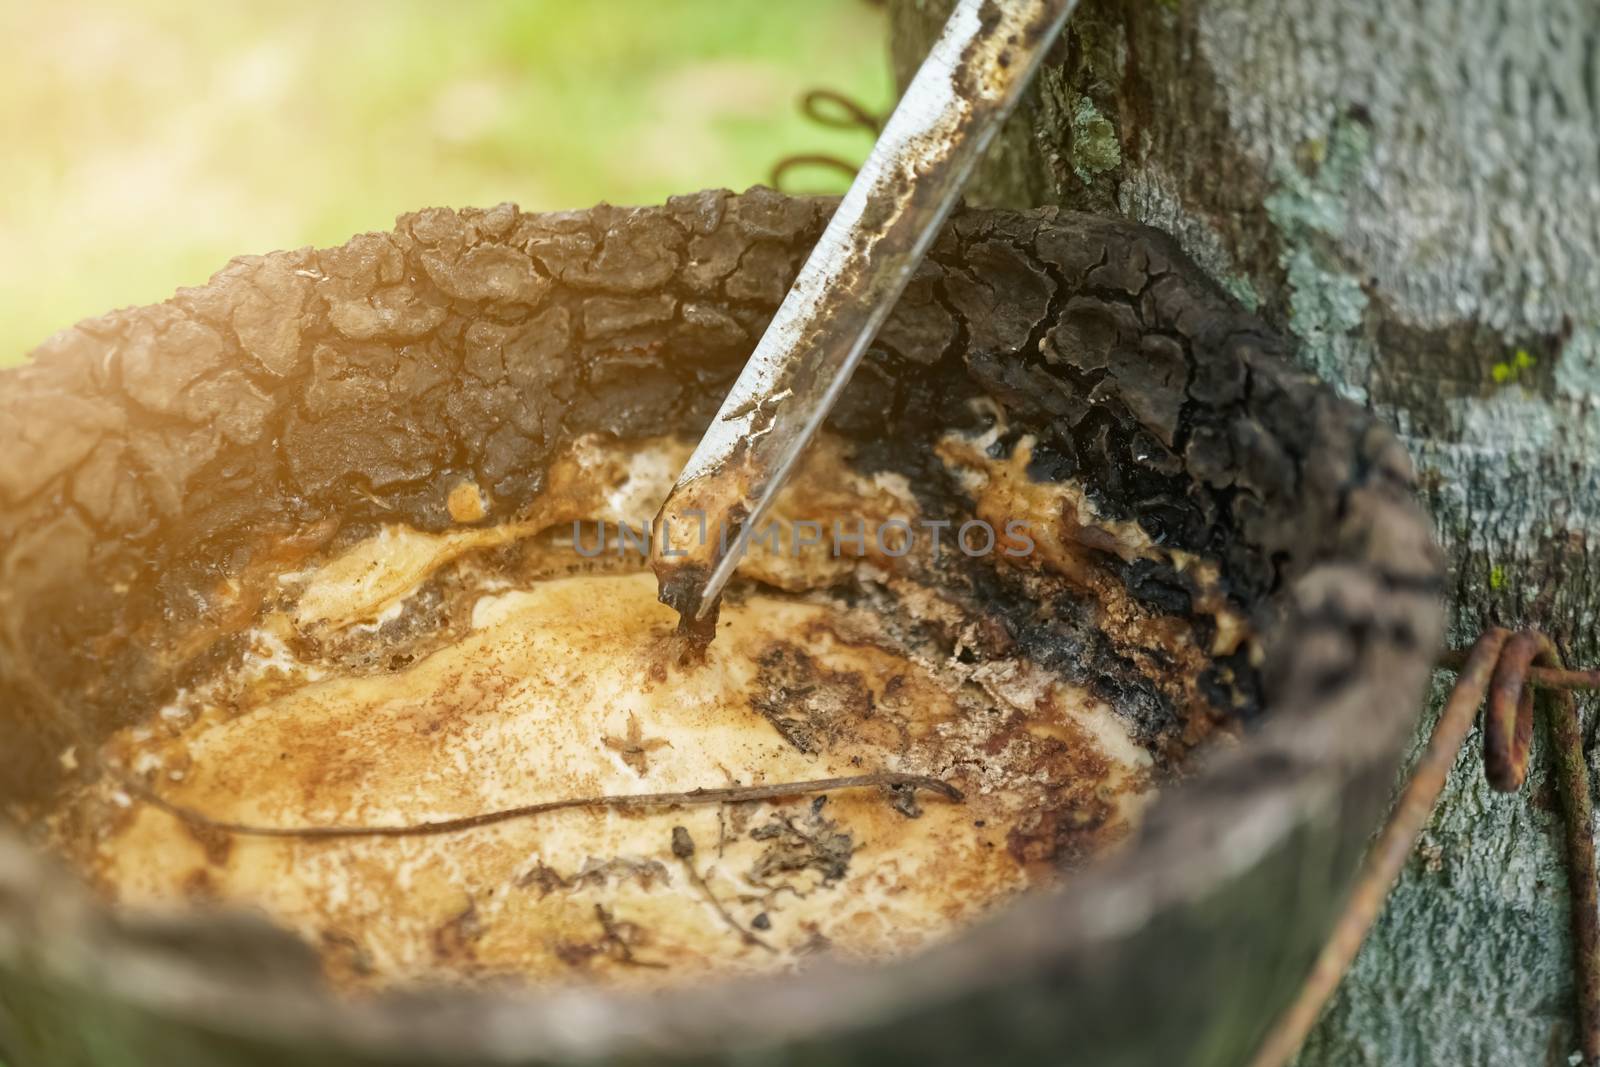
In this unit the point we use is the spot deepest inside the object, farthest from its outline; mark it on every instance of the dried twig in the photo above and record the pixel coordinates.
(683, 848)
(724, 795)
(623, 951)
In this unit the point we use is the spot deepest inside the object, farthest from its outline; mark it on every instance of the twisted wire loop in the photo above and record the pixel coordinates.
(850, 114)
(1508, 716)
(835, 110)
(1510, 676)
(787, 164)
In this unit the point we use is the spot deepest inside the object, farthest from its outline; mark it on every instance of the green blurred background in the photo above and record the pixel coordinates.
(148, 141)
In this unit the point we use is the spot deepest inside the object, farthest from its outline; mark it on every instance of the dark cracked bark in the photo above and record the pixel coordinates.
(1408, 191)
(165, 458)
(165, 454)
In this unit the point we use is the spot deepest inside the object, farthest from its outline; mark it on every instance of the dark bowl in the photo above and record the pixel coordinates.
(155, 453)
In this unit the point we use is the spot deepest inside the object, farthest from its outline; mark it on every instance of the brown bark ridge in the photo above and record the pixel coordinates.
(1408, 191)
(163, 457)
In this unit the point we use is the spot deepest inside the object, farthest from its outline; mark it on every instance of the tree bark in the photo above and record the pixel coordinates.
(1413, 192)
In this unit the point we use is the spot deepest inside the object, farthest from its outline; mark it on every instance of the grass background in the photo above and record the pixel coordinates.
(148, 141)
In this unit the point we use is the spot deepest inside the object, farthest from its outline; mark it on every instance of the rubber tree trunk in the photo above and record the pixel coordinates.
(1413, 191)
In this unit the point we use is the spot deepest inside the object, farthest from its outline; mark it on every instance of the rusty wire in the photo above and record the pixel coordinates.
(833, 109)
(1501, 672)
(851, 114)
(807, 159)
